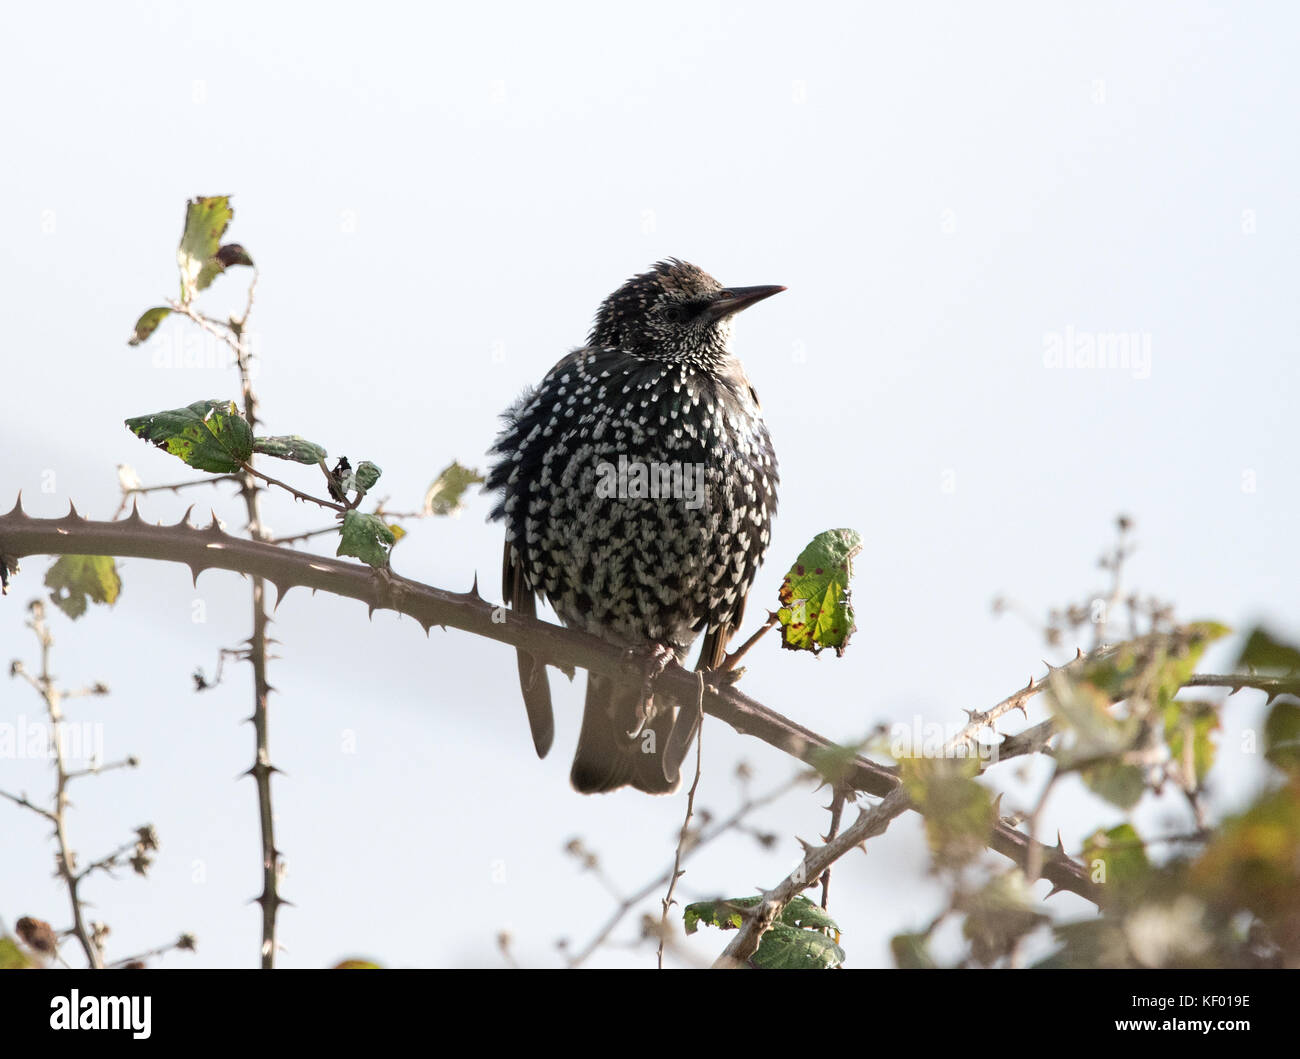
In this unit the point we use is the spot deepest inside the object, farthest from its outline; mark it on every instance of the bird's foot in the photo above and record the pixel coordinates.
(654, 659)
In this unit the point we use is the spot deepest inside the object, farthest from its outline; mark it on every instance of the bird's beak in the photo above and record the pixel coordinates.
(736, 298)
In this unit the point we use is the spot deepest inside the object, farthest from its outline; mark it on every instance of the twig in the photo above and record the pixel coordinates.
(94, 770)
(294, 538)
(22, 802)
(729, 663)
(297, 493)
(870, 822)
(64, 856)
(684, 835)
(1237, 681)
(703, 839)
(185, 943)
(107, 862)
(175, 487)
(836, 809)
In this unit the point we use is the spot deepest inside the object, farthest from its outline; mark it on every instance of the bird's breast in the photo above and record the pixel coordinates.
(640, 496)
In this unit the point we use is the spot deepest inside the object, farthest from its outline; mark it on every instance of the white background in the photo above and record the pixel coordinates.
(438, 197)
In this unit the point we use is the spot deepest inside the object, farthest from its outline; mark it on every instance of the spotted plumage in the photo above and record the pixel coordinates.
(637, 486)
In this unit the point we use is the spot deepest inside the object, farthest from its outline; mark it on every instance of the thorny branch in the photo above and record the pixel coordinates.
(212, 548)
(234, 335)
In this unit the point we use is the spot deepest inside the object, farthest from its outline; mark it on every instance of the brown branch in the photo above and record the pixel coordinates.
(297, 494)
(1237, 681)
(65, 857)
(212, 548)
(684, 835)
(870, 822)
(261, 769)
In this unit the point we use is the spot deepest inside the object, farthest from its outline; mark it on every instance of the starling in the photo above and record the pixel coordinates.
(637, 486)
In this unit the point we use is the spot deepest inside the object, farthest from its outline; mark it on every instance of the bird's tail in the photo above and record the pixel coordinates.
(615, 749)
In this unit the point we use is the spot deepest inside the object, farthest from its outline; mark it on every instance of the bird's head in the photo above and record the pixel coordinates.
(674, 312)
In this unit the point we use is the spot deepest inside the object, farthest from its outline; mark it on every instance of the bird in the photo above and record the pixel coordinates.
(637, 484)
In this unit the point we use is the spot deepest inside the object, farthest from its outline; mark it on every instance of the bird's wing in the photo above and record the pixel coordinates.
(532, 673)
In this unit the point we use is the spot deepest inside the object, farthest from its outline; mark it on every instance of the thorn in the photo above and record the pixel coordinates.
(135, 511)
(1030, 685)
(473, 589)
(72, 512)
(280, 592)
(1060, 845)
(17, 510)
(195, 570)
(1078, 653)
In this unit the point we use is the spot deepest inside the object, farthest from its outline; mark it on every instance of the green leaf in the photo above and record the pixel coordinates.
(1150, 670)
(801, 912)
(148, 324)
(911, 951)
(998, 915)
(958, 812)
(816, 609)
(205, 223)
(12, 957)
(446, 495)
(1282, 735)
(727, 914)
(1119, 784)
(1251, 859)
(786, 948)
(290, 447)
(1083, 710)
(367, 538)
(724, 914)
(75, 580)
(366, 475)
(1117, 859)
(1264, 652)
(1182, 656)
(207, 435)
(794, 942)
(834, 762)
(1089, 943)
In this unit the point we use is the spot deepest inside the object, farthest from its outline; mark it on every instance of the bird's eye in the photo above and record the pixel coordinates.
(676, 314)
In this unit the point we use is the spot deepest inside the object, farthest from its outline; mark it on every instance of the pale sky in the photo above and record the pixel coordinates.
(438, 197)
